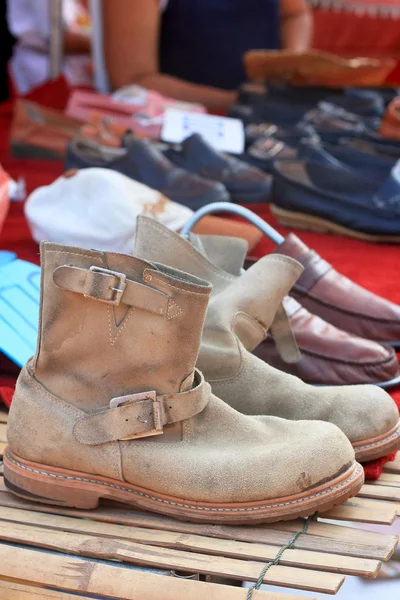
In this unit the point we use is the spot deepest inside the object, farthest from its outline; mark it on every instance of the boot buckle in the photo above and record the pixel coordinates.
(116, 292)
(156, 416)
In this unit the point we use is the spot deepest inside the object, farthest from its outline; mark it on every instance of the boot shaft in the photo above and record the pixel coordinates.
(242, 307)
(112, 325)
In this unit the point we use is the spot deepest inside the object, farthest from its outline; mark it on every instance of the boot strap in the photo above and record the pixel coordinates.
(110, 287)
(284, 337)
(142, 415)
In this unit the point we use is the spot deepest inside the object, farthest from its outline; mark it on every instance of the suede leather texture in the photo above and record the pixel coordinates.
(240, 378)
(88, 353)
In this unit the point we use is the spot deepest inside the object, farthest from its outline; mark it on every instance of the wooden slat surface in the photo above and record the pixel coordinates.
(342, 540)
(317, 562)
(383, 492)
(321, 537)
(85, 576)
(165, 558)
(194, 543)
(393, 466)
(390, 479)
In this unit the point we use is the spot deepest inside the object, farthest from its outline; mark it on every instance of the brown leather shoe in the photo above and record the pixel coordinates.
(330, 356)
(335, 298)
(40, 132)
(390, 126)
(314, 67)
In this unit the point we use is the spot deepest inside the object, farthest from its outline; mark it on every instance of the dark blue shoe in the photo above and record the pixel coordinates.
(319, 197)
(142, 161)
(290, 135)
(372, 166)
(285, 105)
(264, 152)
(245, 183)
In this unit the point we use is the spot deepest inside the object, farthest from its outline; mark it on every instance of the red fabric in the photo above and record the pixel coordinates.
(338, 31)
(373, 266)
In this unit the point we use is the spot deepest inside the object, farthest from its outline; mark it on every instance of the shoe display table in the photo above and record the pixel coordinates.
(115, 552)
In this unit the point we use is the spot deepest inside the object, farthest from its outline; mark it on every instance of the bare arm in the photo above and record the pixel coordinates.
(296, 25)
(131, 36)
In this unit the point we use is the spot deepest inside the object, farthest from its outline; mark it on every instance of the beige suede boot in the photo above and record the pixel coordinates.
(111, 406)
(241, 311)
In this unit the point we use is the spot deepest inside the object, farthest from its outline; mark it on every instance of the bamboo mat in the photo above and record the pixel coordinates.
(119, 553)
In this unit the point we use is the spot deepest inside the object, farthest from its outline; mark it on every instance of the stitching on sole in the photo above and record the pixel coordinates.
(384, 441)
(200, 508)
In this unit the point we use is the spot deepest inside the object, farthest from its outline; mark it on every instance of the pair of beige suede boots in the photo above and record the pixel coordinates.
(113, 404)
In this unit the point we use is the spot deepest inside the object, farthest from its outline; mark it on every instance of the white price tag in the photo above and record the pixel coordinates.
(223, 133)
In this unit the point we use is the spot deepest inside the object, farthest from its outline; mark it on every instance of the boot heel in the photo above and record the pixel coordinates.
(37, 486)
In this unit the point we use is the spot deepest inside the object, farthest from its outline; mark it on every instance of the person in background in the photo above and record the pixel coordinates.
(29, 22)
(192, 50)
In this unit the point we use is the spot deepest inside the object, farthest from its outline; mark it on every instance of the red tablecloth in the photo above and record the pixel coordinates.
(371, 265)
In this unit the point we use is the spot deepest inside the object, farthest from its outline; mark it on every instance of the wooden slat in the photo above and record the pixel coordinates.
(321, 537)
(393, 466)
(3, 432)
(73, 574)
(15, 591)
(390, 479)
(2, 448)
(195, 543)
(358, 511)
(3, 416)
(151, 556)
(383, 492)
(341, 540)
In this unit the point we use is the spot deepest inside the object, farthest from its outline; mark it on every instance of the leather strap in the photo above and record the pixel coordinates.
(315, 267)
(110, 287)
(284, 338)
(142, 415)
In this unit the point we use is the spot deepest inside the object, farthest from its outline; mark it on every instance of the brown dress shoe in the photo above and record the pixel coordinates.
(315, 68)
(330, 356)
(336, 299)
(390, 126)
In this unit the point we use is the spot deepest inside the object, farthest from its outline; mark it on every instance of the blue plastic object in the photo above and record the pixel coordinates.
(19, 307)
(235, 209)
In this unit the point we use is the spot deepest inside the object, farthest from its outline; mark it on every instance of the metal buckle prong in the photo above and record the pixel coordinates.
(115, 300)
(157, 413)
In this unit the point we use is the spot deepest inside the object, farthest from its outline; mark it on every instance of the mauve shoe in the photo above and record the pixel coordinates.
(329, 199)
(340, 301)
(330, 356)
(245, 183)
(145, 163)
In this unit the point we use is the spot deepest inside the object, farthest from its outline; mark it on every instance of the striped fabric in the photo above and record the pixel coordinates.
(382, 8)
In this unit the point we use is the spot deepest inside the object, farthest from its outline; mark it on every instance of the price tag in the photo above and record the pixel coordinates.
(223, 133)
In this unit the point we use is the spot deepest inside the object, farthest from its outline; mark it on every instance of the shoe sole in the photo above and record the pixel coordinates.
(50, 485)
(21, 150)
(291, 219)
(385, 385)
(379, 446)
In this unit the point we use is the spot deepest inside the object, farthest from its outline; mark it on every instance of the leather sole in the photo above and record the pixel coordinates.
(379, 446)
(62, 487)
(292, 219)
(22, 150)
(385, 385)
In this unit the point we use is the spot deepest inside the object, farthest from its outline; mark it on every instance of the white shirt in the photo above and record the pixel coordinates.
(29, 22)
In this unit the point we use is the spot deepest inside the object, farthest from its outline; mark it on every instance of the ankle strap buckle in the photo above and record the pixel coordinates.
(116, 291)
(157, 428)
